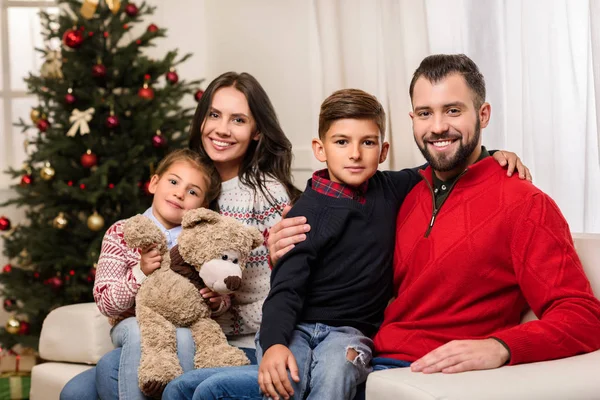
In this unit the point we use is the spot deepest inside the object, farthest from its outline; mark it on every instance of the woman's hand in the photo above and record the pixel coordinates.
(284, 235)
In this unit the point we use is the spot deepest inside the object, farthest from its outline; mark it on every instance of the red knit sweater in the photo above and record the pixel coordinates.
(498, 246)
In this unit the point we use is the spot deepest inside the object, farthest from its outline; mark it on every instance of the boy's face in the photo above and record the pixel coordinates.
(352, 149)
(181, 187)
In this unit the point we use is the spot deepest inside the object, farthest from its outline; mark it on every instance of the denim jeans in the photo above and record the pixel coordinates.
(380, 364)
(320, 352)
(116, 376)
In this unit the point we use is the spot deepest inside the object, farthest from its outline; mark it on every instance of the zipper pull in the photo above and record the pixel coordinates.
(433, 218)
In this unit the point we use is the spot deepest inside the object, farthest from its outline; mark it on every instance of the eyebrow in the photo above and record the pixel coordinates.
(448, 105)
(235, 114)
(178, 177)
(344, 136)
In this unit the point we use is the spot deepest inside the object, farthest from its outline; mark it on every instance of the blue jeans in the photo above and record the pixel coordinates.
(380, 364)
(115, 376)
(320, 352)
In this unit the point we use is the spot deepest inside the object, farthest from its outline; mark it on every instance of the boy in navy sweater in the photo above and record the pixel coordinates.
(328, 293)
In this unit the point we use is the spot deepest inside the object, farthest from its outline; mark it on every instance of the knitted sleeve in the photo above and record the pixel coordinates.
(245, 314)
(404, 180)
(555, 286)
(115, 286)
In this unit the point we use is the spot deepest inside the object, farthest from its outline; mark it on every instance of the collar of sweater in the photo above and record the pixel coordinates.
(473, 175)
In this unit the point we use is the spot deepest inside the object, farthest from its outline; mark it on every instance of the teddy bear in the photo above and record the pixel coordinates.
(212, 251)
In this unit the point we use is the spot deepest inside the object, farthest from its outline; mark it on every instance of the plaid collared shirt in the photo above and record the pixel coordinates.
(322, 184)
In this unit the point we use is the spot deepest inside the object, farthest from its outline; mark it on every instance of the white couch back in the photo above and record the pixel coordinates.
(588, 249)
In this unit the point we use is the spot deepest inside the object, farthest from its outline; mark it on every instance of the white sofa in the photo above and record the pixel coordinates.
(74, 338)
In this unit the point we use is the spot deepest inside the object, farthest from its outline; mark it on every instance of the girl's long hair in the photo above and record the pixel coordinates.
(270, 155)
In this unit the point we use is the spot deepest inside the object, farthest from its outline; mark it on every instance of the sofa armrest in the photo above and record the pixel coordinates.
(76, 333)
(573, 378)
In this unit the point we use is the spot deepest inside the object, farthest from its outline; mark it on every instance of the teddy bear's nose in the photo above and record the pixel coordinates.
(233, 282)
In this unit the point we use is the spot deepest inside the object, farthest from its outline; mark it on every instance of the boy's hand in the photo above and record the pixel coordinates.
(214, 299)
(285, 234)
(272, 372)
(150, 260)
(513, 161)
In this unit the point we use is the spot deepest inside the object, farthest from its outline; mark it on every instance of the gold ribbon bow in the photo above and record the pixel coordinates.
(88, 9)
(80, 120)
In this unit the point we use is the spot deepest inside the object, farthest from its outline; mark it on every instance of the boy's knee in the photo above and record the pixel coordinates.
(356, 357)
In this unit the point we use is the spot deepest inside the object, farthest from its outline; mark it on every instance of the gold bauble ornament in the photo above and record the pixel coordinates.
(35, 115)
(13, 325)
(95, 222)
(60, 222)
(47, 172)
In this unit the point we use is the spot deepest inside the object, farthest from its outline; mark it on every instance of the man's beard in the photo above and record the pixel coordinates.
(460, 158)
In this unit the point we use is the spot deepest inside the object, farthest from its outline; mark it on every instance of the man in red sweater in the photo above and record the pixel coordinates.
(475, 249)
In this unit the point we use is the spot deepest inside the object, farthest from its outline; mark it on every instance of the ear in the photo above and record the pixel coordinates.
(255, 236)
(153, 183)
(319, 150)
(411, 115)
(256, 136)
(193, 217)
(485, 112)
(384, 152)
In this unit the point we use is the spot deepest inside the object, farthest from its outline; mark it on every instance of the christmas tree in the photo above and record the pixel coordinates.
(106, 115)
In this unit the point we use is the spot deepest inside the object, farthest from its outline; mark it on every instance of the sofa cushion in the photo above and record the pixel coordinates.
(48, 379)
(76, 333)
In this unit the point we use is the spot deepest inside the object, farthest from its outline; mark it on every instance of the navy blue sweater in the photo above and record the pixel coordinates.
(341, 275)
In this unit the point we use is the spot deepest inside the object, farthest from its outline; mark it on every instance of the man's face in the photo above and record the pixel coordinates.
(446, 124)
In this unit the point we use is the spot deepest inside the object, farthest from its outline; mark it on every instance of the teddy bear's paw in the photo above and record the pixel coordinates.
(153, 389)
(225, 356)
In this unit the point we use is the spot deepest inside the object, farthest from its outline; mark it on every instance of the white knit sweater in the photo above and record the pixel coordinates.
(252, 209)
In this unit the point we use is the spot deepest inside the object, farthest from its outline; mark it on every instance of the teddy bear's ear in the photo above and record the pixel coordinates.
(195, 216)
(255, 236)
(139, 232)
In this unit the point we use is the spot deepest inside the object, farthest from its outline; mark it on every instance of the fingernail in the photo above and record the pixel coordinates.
(306, 228)
(509, 173)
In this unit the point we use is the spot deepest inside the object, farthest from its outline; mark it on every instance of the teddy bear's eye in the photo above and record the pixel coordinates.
(224, 258)
(235, 261)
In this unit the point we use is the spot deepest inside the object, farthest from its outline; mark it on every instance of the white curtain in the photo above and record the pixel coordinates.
(537, 58)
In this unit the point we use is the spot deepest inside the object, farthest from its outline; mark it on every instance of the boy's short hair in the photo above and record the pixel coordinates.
(351, 104)
(212, 176)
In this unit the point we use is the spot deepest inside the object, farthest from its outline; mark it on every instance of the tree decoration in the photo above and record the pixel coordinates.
(26, 180)
(73, 38)
(146, 92)
(24, 328)
(95, 222)
(54, 282)
(52, 66)
(152, 28)
(10, 305)
(80, 120)
(7, 269)
(89, 159)
(35, 115)
(70, 99)
(47, 172)
(172, 77)
(5, 223)
(13, 325)
(112, 121)
(131, 10)
(43, 125)
(158, 140)
(99, 70)
(88, 8)
(198, 95)
(60, 222)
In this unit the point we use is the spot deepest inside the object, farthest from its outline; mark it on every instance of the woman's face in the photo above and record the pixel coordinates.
(227, 131)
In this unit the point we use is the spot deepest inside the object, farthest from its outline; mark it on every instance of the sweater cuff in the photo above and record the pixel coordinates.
(138, 274)
(505, 346)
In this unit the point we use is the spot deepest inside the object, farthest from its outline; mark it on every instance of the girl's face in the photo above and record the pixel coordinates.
(180, 188)
(227, 131)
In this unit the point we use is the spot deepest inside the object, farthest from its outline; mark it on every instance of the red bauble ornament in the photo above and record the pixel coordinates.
(146, 92)
(4, 223)
(89, 159)
(131, 10)
(138, 42)
(10, 305)
(152, 28)
(70, 99)
(26, 180)
(159, 141)
(112, 122)
(98, 71)
(43, 125)
(73, 38)
(172, 77)
(105, 34)
(24, 328)
(7, 268)
(54, 283)
(36, 275)
(198, 95)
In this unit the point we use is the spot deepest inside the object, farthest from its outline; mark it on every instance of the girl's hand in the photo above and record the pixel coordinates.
(214, 299)
(504, 158)
(150, 260)
(285, 234)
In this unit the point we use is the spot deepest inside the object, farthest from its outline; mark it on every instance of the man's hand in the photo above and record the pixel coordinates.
(513, 161)
(150, 260)
(214, 299)
(461, 356)
(272, 372)
(285, 234)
